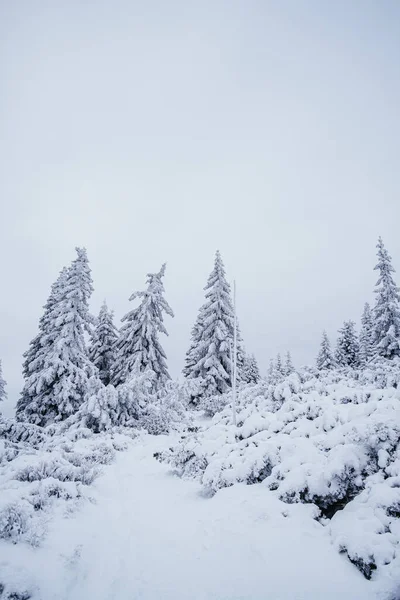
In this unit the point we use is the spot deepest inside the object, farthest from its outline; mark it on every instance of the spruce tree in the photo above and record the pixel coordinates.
(56, 381)
(38, 348)
(192, 355)
(3, 393)
(102, 349)
(288, 368)
(271, 369)
(209, 356)
(278, 365)
(366, 335)
(250, 372)
(386, 313)
(347, 347)
(138, 347)
(31, 356)
(325, 359)
(273, 376)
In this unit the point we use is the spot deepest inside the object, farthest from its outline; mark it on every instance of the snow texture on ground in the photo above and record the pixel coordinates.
(150, 535)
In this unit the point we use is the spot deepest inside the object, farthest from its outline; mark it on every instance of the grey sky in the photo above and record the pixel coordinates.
(160, 131)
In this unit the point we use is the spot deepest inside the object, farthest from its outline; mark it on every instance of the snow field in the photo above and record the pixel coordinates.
(147, 534)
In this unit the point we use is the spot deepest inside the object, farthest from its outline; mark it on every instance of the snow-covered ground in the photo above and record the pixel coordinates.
(147, 534)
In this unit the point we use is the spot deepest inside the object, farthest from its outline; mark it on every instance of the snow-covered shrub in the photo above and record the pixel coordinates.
(15, 431)
(381, 373)
(99, 454)
(100, 409)
(211, 405)
(35, 479)
(368, 528)
(11, 593)
(155, 420)
(168, 411)
(321, 437)
(133, 397)
(45, 492)
(13, 522)
(57, 468)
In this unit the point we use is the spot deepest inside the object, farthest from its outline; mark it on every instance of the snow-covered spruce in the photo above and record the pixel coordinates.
(102, 348)
(34, 356)
(279, 369)
(56, 376)
(209, 355)
(386, 311)
(366, 352)
(250, 371)
(193, 355)
(328, 439)
(325, 358)
(288, 368)
(138, 345)
(3, 393)
(347, 347)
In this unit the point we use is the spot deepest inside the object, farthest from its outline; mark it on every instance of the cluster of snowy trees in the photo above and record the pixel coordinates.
(279, 368)
(379, 336)
(63, 372)
(80, 363)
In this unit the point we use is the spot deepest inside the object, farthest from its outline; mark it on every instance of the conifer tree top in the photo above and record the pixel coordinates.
(138, 345)
(385, 267)
(3, 394)
(387, 307)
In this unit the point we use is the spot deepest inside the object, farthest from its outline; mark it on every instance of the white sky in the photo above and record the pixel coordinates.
(159, 131)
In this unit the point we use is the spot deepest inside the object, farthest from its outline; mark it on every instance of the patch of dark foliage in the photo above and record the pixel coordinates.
(366, 568)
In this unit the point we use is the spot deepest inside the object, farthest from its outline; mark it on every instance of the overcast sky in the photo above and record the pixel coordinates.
(160, 131)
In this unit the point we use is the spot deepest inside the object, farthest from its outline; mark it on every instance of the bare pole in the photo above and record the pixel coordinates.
(234, 357)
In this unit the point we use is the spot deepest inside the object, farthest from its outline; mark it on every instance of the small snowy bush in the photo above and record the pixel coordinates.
(167, 412)
(13, 522)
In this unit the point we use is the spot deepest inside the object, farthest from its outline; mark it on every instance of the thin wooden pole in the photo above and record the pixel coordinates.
(234, 357)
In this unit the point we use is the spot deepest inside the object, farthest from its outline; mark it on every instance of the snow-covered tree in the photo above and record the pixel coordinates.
(56, 381)
(100, 408)
(271, 371)
(31, 356)
(193, 354)
(34, 357)
(102, 349)
(134, 395)
(278, 365)
(386, 313)
(209, 356)
(274, 376)
(325, 359)
(288, 368)
(138, 345)
(250, 371)
(3, 393)
(366, 335)
(347, 347)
